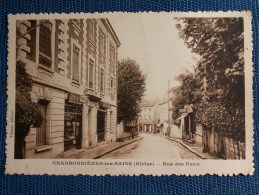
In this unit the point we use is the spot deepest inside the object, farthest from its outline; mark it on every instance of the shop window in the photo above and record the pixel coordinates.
(41, 138)
(72, 126)
(45, 51)
(75, 61)
(91, 74)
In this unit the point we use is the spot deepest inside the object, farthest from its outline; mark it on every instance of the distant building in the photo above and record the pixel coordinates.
(165, 113)
(73, 64)
(148, 117)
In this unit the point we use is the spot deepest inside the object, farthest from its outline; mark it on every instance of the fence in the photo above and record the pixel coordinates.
(221, 146)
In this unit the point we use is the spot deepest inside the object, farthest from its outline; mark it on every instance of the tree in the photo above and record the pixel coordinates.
(27, 113)
(131, 88)
(220, 44)
(186, 93)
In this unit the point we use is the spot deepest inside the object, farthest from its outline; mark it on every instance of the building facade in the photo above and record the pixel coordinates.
(187, 125)
(73, 64)
(165, 111)
(148, 117)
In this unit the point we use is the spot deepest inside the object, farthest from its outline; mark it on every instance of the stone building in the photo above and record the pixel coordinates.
(165, 112)
(73, 64)
(148, 117)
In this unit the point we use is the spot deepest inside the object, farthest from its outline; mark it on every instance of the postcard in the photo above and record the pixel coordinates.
(153, 93)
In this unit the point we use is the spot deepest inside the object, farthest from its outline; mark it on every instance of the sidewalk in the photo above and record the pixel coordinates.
(194, 148)
(100, 151)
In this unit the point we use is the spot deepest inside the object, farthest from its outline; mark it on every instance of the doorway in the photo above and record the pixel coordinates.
(100, 126)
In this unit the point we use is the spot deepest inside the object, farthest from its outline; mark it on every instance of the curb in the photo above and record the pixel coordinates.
(118, 147)
(100, 155)
(187, 147)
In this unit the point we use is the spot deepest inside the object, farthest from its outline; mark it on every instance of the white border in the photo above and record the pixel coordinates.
(45, 166)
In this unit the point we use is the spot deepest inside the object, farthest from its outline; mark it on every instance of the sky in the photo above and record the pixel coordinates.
(153, 41)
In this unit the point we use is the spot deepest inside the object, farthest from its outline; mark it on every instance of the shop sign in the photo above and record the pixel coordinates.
(73, 98)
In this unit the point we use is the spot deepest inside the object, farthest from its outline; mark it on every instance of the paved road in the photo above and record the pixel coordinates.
(152, 146)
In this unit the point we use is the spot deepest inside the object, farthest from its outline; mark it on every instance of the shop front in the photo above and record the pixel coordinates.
(73, 123)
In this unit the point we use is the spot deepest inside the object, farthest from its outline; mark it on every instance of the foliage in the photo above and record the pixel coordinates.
(220, 44)
(131, 88)
(27, 113)
(185, 93)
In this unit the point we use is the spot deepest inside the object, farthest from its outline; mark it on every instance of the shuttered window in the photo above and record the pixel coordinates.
(91, 30)
(45, 52)
(112, 55)
(102, 43)
(102, 82)
(75, 65)
(112, 93)
(91, 74)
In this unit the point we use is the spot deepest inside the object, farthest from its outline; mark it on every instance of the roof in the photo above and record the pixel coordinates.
(107, 23)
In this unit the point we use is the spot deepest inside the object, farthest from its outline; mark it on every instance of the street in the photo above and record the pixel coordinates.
(152, 146)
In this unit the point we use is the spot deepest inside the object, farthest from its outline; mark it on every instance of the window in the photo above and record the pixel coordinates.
(112, 95)
(112, 58)
(75, 65)
(45, 52)
(112, 55)
(32, 42)
(102, 43)
(91, 30)
(91, 74)
(102, 82)
(77, 22)
(41, 131)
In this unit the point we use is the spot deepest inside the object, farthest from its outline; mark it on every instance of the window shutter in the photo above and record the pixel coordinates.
(75, 64)
(45, 56)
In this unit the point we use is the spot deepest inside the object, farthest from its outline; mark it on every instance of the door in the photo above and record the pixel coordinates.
(100, 126)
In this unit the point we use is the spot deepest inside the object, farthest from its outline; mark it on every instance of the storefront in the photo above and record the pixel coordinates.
(72, 123)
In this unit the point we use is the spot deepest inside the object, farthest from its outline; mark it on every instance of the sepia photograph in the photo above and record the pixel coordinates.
(133, 87)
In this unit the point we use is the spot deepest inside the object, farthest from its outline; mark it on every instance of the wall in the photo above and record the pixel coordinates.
(198, 134)
(175, 131)
(120, 129)
(55, 122)
(163, 111)
(221, 146)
